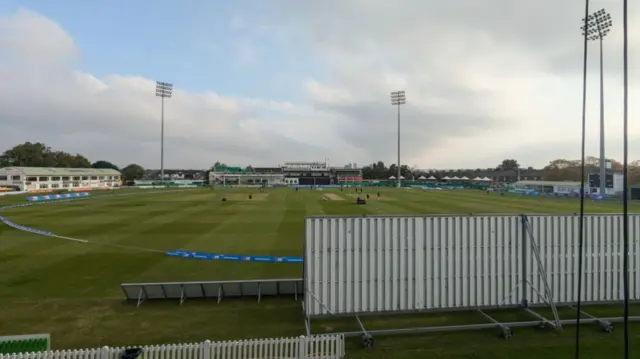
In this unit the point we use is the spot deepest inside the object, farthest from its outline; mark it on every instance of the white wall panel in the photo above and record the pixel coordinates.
(602, 278)
(392, 263)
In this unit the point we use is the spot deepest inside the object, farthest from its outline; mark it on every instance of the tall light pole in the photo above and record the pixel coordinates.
(163, 90)
(397, 99)
(598, 26)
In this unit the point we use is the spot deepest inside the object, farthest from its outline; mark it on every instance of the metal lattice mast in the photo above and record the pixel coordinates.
(163, 90)
(398, 98)
(598, 26)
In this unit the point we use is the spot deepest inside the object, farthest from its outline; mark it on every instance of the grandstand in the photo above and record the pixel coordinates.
(41, 179)
(348, 176)
(291, 173)
(174, 174)
(308, 173)
(238, 176)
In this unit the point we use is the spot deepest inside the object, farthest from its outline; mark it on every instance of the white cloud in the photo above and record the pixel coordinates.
(117, 117)
(327, 95)
(484, 81)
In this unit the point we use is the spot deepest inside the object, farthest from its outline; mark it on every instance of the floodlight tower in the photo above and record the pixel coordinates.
(397, 99)
(598, 26)
(163, 90)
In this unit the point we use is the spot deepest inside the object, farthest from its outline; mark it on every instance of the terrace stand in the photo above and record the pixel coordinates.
(140, 292)
(385, 265)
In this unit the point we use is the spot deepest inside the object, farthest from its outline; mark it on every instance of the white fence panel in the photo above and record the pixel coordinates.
(413, 263)
(557, 239)
(312, 347)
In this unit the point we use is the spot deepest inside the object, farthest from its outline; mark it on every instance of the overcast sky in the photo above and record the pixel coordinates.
(264, 82)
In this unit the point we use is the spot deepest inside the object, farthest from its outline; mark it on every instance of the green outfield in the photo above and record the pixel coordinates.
(72, 290)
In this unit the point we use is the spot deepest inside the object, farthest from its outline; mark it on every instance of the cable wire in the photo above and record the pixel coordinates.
(582, 179)
(625, 177)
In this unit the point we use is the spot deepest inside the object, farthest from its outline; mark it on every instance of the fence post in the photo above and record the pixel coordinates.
(524, 300)
(302, 347)
(206, 349)
(104, 352)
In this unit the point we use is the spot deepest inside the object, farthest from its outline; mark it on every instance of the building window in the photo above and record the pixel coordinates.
(76, 178)
(102, 178)
(76, 184)
(65, 178)
(16, 178)
(55, 178)
(55, 185)
(44, 186)
(32, 179)
(43, 179)
(3, 178)
(65, 185)
(84, 178)
(94, 178)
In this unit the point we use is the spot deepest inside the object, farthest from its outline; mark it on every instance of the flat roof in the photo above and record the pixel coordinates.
(342, 169)
(50, 171)
(548, 183)
(267, 169)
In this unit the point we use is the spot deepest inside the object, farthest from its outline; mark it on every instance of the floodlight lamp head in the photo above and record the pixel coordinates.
(398, 98)
(163, 85)
(164, 89)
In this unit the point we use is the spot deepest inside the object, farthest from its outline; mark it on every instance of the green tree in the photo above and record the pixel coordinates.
(132, 172)
(376, 170)
(105, 164)
(40, 155)
(508, 165)
(218, 164)
(405, 171)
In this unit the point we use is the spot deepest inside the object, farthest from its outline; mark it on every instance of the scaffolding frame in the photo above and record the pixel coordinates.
(505, 328)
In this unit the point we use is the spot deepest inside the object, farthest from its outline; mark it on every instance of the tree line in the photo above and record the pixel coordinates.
(556, 170)
(40, 155)
(378, 170)
(570, 170)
